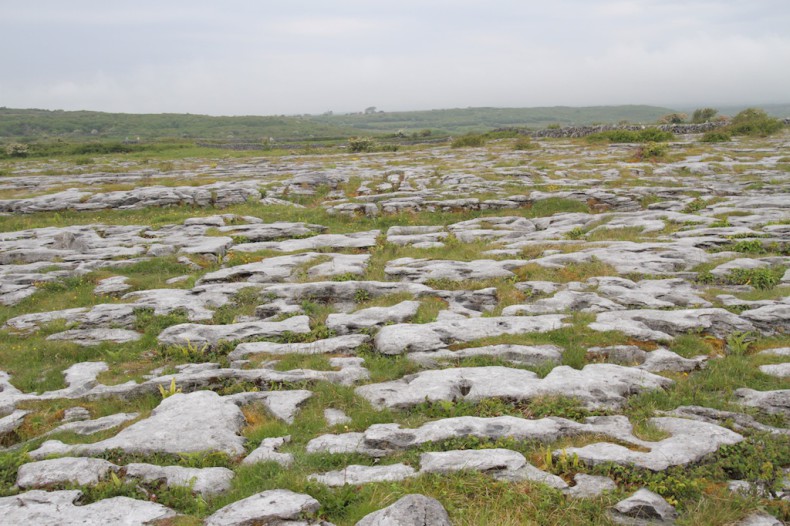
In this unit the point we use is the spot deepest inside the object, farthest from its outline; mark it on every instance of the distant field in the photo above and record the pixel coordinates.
(81, 125)
(464, 120)
(32, 125)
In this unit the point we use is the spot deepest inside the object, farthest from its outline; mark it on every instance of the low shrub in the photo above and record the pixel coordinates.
(651, 151)
(361, 144)
(524, 143)
(16, 149)
(755, 122)
(759, 278)
(470, 140)
(701, 115)
(716, 136)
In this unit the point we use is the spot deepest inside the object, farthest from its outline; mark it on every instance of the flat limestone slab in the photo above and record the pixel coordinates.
(405, 338)
(277, 506)
(690, 441)
(596, 386)
(182, 423)
(354, 475)
(209, 335)
(57, 508)
(81, 471)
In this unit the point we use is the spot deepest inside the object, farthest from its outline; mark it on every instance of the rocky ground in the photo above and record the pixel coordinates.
(558, 335)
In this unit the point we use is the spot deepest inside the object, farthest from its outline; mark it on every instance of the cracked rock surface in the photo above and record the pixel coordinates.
(309, 338)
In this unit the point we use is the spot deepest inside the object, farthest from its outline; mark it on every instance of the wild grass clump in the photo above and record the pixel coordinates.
(651, 151)
(631, 136)
(361, 144)
(716, 136)
(470, 140)
(524, 143)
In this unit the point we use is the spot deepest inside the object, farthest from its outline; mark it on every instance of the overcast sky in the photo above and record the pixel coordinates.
(246, 57)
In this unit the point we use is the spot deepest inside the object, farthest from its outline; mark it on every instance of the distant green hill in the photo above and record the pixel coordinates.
(35, 124)
(464, 120)
(78, 125)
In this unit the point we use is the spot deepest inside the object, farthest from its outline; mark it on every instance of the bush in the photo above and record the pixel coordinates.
(361, 144)
(716, 136)
(759, 278)
(16, 149)
(470, 140)
(754, 121)
(673, 118)
(651, 151)
(701, 115)
(524, 143)
(101, 148)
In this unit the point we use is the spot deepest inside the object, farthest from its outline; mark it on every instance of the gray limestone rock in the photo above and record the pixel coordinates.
(113, 285)
(269, 270)
(199, 303)
(532, 288)
(81, 471)
(339, 344)
(75, 414)
(411, 510)
(596, 386)
(11, 423)
(205, 481)
(646, 508)
(648, 324)
(562, 302)
(415, 235)
(99, 316)
(267, 452)
(780, 370)
(422, 270)
(739, 422)
(532, 474)
(772, 402)
(660, 359)
(759, 519)
(88, 427)
(345, 294)
(650, 293)
(58, 508)
(334, 241)
(535, 355)
(372, 317)
(354, 475)
(485, 460)
(182, 423)
(400, 338)
(279, 507)
(770, 319)
(590, 486)
(89, 337)
(382, 439)
(341, 265)
(781, 351)
(689, 442)
(335, 417)
(281, 404)
(271, 231)
(210, 335)
(630, 257)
